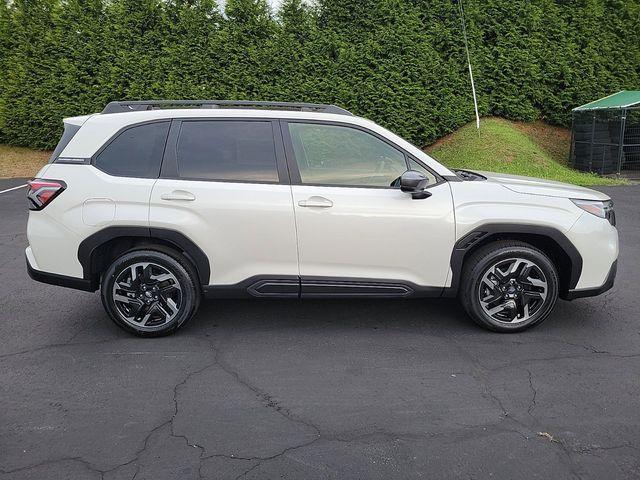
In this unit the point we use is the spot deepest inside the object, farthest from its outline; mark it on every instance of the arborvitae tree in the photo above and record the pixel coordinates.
(78, 36)
(190, 53)
(604, 50)
(557, 58)
(387, 68)
(508, 52)
(293, 64)
(29, 82)
(442, 25)
(134, 38)
(244, 49)
(5, 47)
(401, 63)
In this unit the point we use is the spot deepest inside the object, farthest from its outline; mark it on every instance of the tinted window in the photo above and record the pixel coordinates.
(335, 155)
(227, 150)
(136, 152)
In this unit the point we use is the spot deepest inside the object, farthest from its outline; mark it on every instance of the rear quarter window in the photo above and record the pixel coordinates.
(69, 132)
(135, 152)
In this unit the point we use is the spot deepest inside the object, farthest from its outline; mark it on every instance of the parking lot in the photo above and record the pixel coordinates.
(344, 389)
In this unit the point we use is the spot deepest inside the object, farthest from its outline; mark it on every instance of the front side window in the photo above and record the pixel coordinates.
(336, 155)
(136, 152)
(227, 150)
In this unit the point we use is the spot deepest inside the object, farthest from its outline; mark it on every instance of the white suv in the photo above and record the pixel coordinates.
(161, 203)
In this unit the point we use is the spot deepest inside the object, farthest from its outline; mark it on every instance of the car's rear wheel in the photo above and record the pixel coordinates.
(149, 293)
(509, 286)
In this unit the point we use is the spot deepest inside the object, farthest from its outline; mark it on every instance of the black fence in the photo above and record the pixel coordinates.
(606, 141)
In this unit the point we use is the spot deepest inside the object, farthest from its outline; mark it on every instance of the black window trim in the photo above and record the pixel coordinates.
(169, 170)
(111, 139)
(294, 171)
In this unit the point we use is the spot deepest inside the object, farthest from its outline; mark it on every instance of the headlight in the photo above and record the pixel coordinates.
(599, 208)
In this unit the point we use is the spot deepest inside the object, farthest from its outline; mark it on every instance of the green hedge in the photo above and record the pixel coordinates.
(398, 62)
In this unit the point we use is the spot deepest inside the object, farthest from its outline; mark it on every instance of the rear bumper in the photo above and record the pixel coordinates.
(592, 292)
(60, 280)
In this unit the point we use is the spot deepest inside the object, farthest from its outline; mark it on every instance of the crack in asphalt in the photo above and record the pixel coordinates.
(268, 401)
(51, 462)
(265, 397)
(570, 464)
(532, 403)
(566, 451)
(56, 345)
(519, 363)
(480, 372)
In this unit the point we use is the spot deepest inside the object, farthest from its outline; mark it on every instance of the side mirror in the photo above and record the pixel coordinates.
(414, 182)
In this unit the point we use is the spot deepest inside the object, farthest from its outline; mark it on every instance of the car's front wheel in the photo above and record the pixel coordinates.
(149, 293)
(509, 286)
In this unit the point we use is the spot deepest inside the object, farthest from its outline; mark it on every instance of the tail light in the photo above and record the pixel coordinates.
(41, 192)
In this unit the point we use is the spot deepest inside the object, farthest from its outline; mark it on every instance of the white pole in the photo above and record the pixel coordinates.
(466, 46)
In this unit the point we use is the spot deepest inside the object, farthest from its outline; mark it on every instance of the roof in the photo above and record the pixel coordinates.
(622, 99)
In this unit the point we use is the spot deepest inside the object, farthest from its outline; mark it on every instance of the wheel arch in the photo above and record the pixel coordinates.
(97, 251)
(549, 240)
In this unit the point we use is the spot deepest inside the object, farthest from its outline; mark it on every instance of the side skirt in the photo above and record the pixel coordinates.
(319, 287)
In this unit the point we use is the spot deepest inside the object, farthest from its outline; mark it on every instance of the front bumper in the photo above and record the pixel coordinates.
(592, 292)
(59, 280)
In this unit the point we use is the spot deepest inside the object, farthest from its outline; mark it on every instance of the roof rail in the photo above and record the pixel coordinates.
(142, 105)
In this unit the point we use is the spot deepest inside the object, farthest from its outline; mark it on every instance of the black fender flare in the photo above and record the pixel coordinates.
(89, 245)
(480, 234)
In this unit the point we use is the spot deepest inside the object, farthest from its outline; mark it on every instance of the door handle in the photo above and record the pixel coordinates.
(179, 195)
(316, 201)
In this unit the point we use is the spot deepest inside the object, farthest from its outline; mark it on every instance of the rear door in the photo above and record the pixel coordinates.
(357, 234)
(224, 184)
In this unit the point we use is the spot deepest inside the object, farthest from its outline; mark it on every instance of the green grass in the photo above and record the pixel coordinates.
(535, 150)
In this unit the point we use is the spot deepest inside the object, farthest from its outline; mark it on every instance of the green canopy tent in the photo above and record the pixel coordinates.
(605, 135)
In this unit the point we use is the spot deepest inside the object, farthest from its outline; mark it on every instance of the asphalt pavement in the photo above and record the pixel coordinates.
(317, 389)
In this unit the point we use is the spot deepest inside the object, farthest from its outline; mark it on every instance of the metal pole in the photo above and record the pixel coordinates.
(593, 132)
(623, 122)
(466, 46)
(572, 160)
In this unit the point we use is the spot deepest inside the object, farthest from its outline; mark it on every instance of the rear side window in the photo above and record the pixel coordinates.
(136, 152)
(231, 150)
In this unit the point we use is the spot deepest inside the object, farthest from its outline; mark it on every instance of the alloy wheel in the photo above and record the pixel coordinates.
(147, 296)
(513, 290)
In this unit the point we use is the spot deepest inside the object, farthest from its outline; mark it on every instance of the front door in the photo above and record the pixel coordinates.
(356, 233)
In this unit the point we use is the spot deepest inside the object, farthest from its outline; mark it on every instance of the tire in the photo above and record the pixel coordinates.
(509, 286)
(150, 293)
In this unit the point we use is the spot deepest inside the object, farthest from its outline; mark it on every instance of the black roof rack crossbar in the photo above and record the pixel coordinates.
(142, 105)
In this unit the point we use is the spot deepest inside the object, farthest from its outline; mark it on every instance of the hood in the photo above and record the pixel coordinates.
(539, 186)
